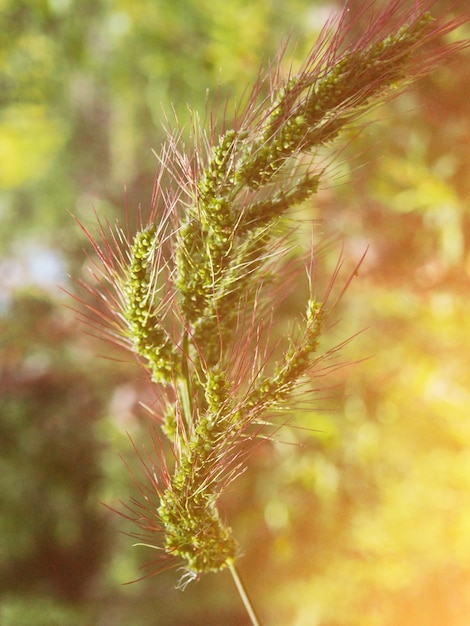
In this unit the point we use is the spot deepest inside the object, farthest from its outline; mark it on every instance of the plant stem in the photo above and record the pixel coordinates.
(244, 595)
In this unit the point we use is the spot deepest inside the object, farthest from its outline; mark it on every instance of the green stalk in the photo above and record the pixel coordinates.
(244, 595)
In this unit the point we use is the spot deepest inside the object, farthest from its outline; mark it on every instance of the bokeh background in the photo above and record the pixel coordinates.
(366, 522)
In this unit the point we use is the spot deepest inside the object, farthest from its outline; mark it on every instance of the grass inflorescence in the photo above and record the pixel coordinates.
(191, 291)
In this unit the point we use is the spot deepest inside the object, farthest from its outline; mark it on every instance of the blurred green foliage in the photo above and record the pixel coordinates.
(367, 521)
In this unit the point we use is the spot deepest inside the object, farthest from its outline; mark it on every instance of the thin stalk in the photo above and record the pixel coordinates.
(244, 595)
(183, 386)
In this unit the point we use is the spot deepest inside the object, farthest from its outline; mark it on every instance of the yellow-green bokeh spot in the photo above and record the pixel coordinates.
(30, 139)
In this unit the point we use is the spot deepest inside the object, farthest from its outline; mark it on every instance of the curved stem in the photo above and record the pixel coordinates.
(244, 596)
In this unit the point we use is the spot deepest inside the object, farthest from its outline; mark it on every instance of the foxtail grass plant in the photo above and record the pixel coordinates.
(193, 290)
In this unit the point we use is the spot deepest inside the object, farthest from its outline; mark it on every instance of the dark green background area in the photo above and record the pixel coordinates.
(366, 522)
